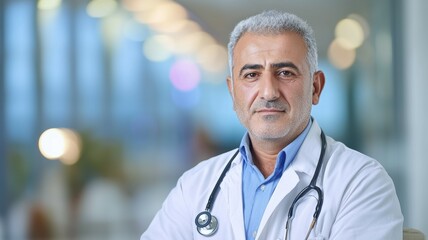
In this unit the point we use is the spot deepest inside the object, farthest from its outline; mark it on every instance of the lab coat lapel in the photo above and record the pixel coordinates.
(304, 162)
(286, 184)
(307, 158)
(233, 186)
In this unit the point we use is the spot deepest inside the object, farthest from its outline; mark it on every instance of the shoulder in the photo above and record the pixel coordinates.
(207, 171)
(210, 164)
(341, 155)
(354, 170)
(361, 193)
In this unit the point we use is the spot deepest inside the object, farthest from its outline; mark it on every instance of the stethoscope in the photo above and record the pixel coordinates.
(207, 224)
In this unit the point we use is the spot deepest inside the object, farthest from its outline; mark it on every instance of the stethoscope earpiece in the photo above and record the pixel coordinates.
(206, 224)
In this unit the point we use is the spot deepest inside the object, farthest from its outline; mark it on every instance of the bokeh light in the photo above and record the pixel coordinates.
(73, 147)
(157, 48)
(112, 28)
(192, 42)
(175, 34)
(349, 33)
(184, 75)
(48, 4)
(212, 58)
(52, 143)
(163, 13)
(101, 8)
(141, 5)
(60, 144)
(339, 56)
(182, 27)
(363, 23)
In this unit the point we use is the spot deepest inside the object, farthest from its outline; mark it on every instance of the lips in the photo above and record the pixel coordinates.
(270, 111)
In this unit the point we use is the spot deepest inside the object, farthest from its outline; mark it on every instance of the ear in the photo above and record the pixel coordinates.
(317, 86)
(230, 85)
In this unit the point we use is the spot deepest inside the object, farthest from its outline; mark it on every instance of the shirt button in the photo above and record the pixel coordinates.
(262, 187)
(254, 234)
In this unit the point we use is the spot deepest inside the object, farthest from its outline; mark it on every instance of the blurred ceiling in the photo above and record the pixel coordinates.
(218, 17)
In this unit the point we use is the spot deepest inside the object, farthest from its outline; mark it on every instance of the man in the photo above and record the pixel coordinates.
(274, 82)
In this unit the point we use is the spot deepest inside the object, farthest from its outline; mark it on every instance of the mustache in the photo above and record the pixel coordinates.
(274, 105)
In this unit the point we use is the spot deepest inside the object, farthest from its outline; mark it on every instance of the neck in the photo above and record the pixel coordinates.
(264, 156)
(265, 151)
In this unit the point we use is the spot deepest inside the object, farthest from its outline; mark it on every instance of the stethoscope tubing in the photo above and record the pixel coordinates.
(207, 213)
(211, 199)
(207, 224)
(312, 185)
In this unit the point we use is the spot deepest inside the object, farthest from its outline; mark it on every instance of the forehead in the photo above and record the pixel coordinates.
(254, 48)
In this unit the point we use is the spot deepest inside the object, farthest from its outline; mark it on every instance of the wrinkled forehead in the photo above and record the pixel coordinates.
(264, 49)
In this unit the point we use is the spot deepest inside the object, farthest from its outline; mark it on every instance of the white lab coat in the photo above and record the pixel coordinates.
(360, 201)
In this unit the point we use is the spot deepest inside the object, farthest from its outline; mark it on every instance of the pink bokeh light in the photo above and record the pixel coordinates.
(184, 75)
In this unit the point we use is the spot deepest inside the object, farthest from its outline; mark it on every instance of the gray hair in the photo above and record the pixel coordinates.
(275, 22)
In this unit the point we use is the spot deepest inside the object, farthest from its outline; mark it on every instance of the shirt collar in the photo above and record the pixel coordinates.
(285, 156)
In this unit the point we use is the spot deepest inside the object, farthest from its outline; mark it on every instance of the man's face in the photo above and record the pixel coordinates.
(272, 89)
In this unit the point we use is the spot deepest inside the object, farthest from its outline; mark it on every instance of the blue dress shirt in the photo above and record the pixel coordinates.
(256, 190)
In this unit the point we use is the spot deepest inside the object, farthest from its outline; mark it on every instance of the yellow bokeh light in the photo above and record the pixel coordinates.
(339, 56)
(178, 35)
(192, 42)
(349, 33)
(163, 13)
(212, 58)
(73, 147)
(141, 5)
(182, 26)
(363, 23)
(158, 48)
(48, 4)
(101, 8)
(112, 28)
(60, 144)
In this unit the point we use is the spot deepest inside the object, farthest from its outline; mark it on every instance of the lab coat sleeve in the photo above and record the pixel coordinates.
(172, 220)
(370, 208)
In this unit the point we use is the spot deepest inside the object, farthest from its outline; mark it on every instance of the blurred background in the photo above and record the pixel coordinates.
(105, 103)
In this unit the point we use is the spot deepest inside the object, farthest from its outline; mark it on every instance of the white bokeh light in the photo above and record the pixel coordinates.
(60, 144)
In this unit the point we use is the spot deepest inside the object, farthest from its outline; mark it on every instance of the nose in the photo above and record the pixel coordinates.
(269, 88)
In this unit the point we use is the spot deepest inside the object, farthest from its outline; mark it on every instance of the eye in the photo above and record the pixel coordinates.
(286, 73)
(250, 75)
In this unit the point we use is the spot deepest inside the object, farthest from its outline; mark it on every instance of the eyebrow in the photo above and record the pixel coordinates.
(285, 64)
(250, 66)
(273, 65)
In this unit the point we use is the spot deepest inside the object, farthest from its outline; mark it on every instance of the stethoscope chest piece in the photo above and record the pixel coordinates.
(206, 224)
